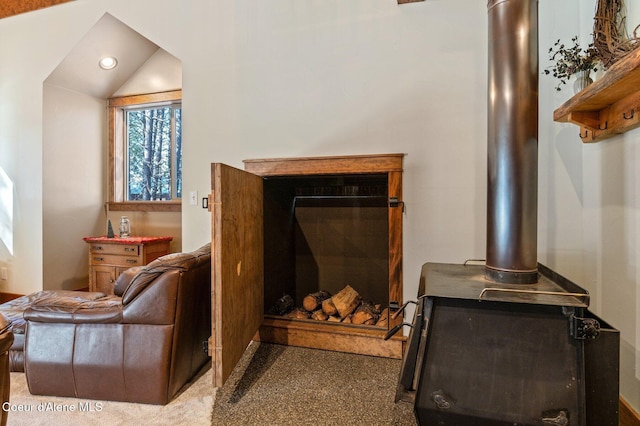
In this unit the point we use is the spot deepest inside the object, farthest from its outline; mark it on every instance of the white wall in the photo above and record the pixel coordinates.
(292, 78)
(162, 72)
(589, 199)
(73, 170)
(373, 77)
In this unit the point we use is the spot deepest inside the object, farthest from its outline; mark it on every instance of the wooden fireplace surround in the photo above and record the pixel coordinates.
(367, 340)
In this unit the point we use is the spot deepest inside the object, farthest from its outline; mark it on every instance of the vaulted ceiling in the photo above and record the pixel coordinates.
(79, 70)
(14, 7)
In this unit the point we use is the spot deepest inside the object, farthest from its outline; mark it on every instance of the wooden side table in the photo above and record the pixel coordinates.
(109, 257)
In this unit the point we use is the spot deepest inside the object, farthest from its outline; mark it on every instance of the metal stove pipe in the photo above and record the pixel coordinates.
(512, 189)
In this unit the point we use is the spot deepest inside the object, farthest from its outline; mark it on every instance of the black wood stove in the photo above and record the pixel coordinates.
(509, 342)
(504, 355)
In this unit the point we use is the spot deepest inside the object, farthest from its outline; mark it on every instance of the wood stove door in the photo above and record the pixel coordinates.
(237, 265)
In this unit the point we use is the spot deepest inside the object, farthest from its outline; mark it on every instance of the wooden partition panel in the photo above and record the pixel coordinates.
(237, 266)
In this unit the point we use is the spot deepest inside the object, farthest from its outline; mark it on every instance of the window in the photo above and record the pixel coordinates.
(153, 153)
(146, 152)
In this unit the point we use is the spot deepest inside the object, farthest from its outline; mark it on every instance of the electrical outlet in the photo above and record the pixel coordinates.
(193, 198)
(3, 273)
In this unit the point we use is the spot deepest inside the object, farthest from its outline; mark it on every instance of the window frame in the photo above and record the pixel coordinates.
(117, 159)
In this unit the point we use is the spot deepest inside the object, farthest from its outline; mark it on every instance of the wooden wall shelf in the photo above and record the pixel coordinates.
(610, 105)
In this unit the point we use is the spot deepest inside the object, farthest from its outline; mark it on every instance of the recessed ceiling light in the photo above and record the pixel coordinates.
(108, 63)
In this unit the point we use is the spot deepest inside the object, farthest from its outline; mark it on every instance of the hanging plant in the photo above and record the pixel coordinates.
(570, 60)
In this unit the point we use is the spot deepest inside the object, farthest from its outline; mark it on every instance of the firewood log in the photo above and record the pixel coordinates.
(346, 301)
(313, 301)
(366, 313)
(383, 321)
(282, 306)
(333, 318)
(328, 307)
(347, 319)
(319, 315)
(298, 313)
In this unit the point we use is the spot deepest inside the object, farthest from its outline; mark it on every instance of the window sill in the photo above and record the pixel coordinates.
(146, 206)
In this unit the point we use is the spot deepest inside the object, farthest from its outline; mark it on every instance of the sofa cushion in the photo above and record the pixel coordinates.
(13, 310)
(173, 261)
(107, 309)
(124, 280)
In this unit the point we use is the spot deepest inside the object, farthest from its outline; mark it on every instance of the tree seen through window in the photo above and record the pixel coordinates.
(154, 157)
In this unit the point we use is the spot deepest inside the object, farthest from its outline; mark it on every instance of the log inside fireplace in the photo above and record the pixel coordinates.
(345, 307)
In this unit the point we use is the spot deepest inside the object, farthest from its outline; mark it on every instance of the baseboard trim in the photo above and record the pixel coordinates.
(628, 416)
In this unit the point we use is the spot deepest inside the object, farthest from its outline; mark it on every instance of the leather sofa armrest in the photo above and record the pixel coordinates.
(6, 340)
(72, 311)
(5, 325)
(125, 279)
(6, 335)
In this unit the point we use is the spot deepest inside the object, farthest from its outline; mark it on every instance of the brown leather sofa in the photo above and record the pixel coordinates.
(6, 339)
(141, 345)
(13, 311)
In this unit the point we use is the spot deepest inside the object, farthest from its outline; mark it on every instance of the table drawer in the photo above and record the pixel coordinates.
(121, 249)
(115, 260)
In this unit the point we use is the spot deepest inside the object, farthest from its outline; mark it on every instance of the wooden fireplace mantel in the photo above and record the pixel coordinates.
(303, 166)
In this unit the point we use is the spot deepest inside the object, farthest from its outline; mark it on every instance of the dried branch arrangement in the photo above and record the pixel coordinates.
(610, 37)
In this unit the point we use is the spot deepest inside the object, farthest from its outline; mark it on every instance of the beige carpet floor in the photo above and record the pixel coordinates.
(286, 385)
(192, 407)
(272, 385)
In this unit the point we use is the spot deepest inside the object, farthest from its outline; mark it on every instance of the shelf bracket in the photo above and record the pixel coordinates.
(588, 119)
